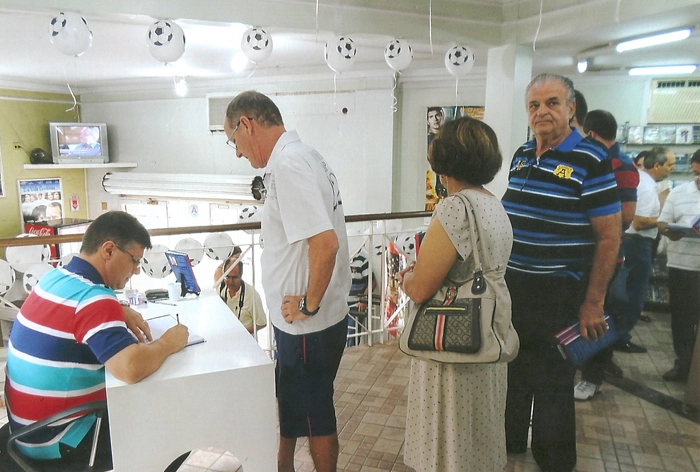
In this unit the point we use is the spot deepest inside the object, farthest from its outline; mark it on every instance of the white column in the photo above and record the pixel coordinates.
(508, 71)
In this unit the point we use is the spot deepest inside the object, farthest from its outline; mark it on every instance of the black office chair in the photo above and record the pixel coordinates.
(11, 460)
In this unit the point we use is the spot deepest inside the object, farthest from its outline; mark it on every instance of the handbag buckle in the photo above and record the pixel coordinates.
(479, 284)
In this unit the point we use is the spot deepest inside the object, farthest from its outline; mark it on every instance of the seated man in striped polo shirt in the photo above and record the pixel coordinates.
(72, 327)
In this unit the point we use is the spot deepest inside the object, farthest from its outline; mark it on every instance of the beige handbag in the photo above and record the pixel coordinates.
(469, 324)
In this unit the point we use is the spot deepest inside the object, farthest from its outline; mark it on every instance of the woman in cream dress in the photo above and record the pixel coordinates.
(455, 414)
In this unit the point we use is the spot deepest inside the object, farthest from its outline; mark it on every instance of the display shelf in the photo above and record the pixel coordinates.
(107, 165)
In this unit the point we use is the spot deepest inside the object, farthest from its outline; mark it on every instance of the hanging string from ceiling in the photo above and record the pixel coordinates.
(539, 25)
(430, 25)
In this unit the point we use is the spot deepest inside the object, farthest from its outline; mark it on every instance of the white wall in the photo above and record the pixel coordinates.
(379, 155)
(171, 136)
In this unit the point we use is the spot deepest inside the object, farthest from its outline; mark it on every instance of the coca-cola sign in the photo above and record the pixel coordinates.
(40, 231)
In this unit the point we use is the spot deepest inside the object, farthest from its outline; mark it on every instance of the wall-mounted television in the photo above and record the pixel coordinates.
(79, 143)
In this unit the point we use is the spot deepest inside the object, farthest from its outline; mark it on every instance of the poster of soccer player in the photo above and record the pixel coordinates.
(436, 116)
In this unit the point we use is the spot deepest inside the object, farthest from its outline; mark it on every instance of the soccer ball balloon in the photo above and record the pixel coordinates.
(250, 214)
(66, 259)
(192, 248)
(166, 41)
(459, 60)
(22, 257)
(7, 277)
(70, 33)
(398, 54)
(256, 44)
(33, 274)
(218, 246)
(340, 54)
(154, 262)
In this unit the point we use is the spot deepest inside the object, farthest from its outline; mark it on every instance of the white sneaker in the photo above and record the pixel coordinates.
(584, 391)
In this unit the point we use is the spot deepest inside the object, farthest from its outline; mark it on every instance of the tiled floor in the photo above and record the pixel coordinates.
(617, 431)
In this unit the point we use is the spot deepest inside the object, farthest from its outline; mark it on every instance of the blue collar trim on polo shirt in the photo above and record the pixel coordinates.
(571, 141)
(83, 268)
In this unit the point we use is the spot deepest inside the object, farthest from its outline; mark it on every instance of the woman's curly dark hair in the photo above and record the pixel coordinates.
(467, 150)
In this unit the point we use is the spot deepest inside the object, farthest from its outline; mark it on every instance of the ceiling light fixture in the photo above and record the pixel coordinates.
(653, 40)
(582, 66)
(664, 70)
(181, 87)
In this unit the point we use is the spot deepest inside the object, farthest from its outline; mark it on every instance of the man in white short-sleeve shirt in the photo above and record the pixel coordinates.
(638, 240)
(306, 273)
(682, 207)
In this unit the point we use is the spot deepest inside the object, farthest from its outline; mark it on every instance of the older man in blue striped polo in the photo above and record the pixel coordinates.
(563, 204)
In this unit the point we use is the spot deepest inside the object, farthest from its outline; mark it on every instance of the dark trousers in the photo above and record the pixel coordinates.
(540, 379)
(637, 250)
(684, 294)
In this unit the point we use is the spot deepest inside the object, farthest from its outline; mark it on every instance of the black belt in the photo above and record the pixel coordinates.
(637, 236)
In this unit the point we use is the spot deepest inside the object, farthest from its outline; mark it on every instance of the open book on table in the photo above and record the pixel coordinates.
(161, 324)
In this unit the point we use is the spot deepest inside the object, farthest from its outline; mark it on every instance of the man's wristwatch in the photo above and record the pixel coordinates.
(303, 310)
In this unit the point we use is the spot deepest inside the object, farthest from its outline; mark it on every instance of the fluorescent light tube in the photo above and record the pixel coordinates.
(653, 40)
(663, 70)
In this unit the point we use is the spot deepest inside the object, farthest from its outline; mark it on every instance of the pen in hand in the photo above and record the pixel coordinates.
(177, 317)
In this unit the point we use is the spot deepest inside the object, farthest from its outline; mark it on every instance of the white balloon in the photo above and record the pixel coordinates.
(340, 54)
(256, 44)
(65, 260)
(7, 277)
(33, 274)
(398, 54)
(70, 33)
(166, 41)
(459, 60)
(192, 248)
(154, 262)
(22, 257)
(218, 246)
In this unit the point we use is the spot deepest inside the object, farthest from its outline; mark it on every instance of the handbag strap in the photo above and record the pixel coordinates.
(479, 284)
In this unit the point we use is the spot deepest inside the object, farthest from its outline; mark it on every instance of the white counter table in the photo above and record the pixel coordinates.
(216, 394)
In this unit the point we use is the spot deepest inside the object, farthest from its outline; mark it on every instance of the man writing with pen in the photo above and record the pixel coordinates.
(72, 327)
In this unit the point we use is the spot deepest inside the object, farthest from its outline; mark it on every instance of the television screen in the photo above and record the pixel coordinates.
(79, 143)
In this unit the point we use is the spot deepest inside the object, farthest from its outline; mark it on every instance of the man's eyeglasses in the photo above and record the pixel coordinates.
(135, 260)
(229, 139)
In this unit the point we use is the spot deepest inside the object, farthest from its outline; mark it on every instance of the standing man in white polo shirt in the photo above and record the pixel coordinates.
(306, 273)
(638, 240)
(681, 207)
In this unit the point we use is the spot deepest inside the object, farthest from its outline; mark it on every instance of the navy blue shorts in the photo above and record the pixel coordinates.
(304, 374)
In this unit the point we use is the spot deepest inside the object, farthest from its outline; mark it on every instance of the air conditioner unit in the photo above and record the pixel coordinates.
(674, 101)
(216, 110)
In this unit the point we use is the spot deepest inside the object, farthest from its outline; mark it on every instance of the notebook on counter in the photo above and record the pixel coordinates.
(579, 350)
(161, 324)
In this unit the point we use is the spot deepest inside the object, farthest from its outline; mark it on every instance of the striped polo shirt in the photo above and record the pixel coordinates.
(550, 201)
(67, 328)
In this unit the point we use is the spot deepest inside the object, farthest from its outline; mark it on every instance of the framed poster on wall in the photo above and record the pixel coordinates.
(436, 116)
(40, 200)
